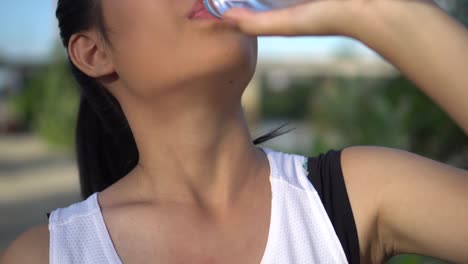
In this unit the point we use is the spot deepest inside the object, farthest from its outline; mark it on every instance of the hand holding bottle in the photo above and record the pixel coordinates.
(315, 17)
(416, 36)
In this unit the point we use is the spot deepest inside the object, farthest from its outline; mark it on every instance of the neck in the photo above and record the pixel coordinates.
(198, 152)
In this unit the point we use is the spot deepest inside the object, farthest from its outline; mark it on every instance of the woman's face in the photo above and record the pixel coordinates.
(156, 47)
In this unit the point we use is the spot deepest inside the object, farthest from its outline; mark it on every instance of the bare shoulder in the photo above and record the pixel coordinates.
(394, 195)
(363, 186)
(30, 247)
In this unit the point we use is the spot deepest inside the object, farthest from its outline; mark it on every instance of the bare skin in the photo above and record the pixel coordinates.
(202, 193)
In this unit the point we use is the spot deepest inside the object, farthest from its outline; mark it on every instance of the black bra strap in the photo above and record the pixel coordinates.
(326, 176)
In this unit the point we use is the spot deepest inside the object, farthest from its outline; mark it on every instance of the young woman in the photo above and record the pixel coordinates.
(171, 175)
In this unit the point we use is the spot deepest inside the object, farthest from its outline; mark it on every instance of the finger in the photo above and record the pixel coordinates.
(314, 18)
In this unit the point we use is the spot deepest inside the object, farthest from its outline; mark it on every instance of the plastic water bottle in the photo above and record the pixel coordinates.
(219, 7)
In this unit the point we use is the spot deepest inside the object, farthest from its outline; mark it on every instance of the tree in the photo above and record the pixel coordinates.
(48, 103)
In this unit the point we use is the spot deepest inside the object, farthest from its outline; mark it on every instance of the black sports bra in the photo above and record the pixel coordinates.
(326, 176)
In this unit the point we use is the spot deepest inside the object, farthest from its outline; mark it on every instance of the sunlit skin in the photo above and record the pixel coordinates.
(180, 87)
(179, 82)
(201, 192)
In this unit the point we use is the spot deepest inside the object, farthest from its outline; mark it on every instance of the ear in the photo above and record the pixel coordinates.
(88, 53)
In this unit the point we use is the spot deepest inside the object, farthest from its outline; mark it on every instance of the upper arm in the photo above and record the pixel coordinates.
(404, 203)
(30, 247)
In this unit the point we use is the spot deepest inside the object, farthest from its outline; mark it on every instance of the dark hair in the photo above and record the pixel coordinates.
(105, 146)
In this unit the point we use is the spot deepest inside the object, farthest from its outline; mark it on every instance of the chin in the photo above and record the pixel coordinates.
(233, 54)
(235, 64)
(213, 62)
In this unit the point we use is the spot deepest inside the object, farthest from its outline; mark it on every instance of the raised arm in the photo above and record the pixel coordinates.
(418, 37)
(413, 204)
(402, 202)
(427, 45)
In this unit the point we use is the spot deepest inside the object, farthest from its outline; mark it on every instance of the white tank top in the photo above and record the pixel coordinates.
(300, 230)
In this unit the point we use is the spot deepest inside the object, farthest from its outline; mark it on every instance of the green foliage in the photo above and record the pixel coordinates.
(392, 113)
(414, 259)
(48, 104)
(354, 112)
(433, 133)
(461, 11)
(274, 105)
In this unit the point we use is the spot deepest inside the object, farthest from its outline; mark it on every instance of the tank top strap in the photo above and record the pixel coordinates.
(78, 235)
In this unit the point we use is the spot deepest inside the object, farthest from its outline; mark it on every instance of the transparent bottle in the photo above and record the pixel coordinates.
(219, 7)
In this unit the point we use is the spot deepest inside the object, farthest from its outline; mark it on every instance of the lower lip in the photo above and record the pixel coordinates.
(204, 15)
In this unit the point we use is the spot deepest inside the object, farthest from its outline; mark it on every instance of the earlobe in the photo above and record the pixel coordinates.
(89, 56)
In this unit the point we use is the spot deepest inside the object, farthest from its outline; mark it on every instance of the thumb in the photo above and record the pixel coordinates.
(318, 17)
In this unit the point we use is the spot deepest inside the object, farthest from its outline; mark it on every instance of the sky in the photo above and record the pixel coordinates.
(28, 31)
(27, 27)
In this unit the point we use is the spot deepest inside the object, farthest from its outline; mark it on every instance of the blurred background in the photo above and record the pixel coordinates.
(334, 91)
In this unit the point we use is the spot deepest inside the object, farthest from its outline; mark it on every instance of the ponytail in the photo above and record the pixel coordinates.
(105, 146)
